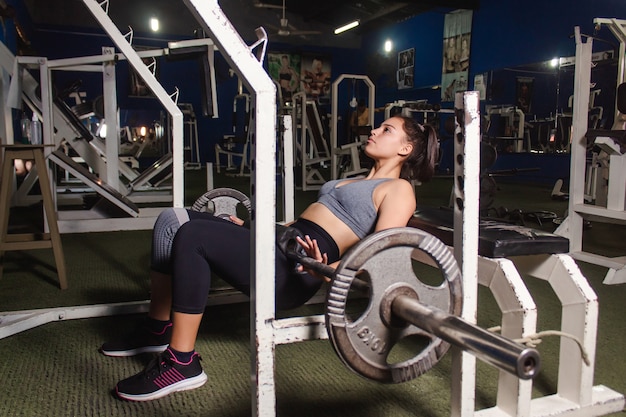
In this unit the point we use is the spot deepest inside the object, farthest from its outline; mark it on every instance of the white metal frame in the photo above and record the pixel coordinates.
(245, 146)
(287, 171)
(259, 83)
(351, 149)
(123, 43)
(311, 157)
(578, 209)
(467, 166)
(512, 113)
(93, 153)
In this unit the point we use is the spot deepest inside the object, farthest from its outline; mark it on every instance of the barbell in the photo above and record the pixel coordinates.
(402, 304)
(222, 202)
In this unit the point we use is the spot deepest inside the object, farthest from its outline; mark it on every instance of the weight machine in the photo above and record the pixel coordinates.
(311, 147)
(579, 210)
(350, 151)
(237, 144)
(102, 157)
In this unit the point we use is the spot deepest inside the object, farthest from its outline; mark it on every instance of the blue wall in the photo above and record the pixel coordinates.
(504, 34)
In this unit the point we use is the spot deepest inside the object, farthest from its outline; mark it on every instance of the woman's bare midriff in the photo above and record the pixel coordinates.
(343, 236)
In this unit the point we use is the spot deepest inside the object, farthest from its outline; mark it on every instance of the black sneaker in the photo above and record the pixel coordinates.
(163, 375)
(142, 340)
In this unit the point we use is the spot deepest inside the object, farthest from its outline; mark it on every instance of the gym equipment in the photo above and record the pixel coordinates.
(237, 145)
(514, 130)
(401, 305)
(311, 148)
(222, 202)
(389, 248)
(613, 209)
(192, 149)
(350, 151)
(102, 157)
(496, 239)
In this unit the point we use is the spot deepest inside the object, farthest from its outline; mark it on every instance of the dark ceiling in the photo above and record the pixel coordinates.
(308, 22)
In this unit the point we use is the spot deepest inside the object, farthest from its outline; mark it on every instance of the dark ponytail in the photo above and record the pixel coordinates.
(420, 164)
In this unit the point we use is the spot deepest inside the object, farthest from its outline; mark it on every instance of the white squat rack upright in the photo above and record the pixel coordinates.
(579, 210)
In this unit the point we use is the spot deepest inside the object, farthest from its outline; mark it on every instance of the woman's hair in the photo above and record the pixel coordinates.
(420, 164)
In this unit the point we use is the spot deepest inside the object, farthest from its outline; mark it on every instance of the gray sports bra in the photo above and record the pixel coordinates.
(352, 203)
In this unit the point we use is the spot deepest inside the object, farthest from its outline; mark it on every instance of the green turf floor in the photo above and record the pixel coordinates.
(56, 370)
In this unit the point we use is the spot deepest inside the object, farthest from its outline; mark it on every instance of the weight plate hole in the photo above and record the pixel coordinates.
(358, 299)
(405, 348)
(425, 270)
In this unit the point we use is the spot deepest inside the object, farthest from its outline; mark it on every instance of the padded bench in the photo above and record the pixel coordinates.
(496, 239)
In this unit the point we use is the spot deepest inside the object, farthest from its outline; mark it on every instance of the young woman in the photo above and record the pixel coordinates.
(188, 246)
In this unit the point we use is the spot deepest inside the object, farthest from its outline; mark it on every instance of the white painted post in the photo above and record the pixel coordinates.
(582, 80)
(263, 158)
(209, 176)
(288, 167)
(110, 117)
(466, 190)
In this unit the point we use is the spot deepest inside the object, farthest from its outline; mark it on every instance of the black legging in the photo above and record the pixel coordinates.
(208, 244)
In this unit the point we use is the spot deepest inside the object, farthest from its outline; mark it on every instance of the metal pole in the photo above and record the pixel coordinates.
(490, 347)
(467, 167)
(263, 157)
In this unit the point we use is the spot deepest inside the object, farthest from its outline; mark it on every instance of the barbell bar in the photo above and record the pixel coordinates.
(402, 305)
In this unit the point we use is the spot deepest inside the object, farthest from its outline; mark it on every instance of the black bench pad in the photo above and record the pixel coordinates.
(496, 239)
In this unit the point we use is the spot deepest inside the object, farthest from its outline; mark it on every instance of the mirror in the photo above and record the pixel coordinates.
(528, 108)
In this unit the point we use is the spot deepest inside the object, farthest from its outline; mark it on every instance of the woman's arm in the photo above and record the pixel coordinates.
(397, 206)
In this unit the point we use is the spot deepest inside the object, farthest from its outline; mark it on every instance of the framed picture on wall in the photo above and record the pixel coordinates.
(284, 68)
(524, 93)
(315, 76)
(406, 65)
(456, 53)
(137, 86)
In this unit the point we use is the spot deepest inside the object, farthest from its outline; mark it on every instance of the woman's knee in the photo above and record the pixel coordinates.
(165, 229)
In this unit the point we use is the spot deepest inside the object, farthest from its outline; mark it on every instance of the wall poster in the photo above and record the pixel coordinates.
(315, 76)
(284, 68)
(406, 64)
(457, 32)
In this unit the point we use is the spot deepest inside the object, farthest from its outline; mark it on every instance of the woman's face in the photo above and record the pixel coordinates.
(387, 140)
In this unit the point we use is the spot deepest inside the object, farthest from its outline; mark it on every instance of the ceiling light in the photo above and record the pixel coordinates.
(388, 45)
(349, 26)
(154, 24)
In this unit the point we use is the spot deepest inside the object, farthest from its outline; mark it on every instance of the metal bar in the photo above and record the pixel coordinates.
(466, 192)
(522, 361)
(110, 118)
(263, 178)
(287, 168)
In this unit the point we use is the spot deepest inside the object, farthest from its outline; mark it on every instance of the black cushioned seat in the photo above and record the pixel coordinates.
(496, 239)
